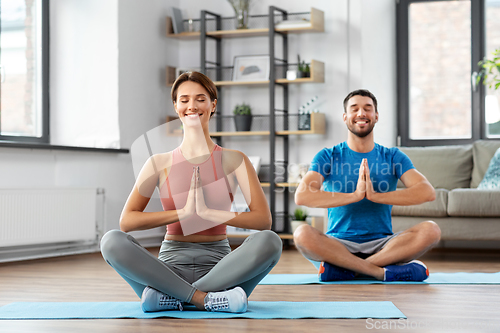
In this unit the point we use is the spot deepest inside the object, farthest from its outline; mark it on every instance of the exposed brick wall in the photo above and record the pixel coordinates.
(492, 43)
(440, 67)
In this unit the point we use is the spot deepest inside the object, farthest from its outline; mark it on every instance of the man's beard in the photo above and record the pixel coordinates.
(361, 134)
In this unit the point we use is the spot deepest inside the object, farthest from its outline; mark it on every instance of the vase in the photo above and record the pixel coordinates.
(243, 123)
(295, 224)
(242, 19)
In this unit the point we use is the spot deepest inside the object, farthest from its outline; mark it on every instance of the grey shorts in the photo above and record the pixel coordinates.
(191, 261)
(366, 249)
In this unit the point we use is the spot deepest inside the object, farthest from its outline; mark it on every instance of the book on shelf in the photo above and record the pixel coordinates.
(177, 20)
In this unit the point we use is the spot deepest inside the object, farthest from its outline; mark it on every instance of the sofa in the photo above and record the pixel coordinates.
(463, 212)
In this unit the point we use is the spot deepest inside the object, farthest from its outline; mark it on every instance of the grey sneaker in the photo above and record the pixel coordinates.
(234, 300)
(152, 300)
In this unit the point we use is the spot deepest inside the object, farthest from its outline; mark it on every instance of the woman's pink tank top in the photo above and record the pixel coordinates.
(216, 191)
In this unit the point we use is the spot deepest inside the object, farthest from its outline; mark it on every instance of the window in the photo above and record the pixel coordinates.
(492, 98)
(24, 71)
(440, 43)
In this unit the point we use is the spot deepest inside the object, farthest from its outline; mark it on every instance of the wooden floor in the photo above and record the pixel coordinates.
(429, 308)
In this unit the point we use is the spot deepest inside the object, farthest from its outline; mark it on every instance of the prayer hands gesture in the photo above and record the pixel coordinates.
(364, 188)
(195, 202)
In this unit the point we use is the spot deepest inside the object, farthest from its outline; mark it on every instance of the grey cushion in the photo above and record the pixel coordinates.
(447, 167)
(436, 208)
(483, 151)
(474, 203)
(455, 228)
(491, 180)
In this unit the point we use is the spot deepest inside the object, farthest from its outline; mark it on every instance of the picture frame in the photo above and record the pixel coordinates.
(251, 68)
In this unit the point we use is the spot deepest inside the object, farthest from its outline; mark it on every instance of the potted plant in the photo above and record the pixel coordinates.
(489, 73)
(303, 68)
(243, 117)
(298, 218)
(487, 69)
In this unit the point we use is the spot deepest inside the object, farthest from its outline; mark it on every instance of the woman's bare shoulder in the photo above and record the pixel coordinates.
(162, 160)
(232, 159)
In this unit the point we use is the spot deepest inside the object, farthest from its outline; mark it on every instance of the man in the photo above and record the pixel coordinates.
(356, 180)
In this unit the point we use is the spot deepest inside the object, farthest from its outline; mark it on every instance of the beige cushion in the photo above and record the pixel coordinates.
(436, 208)
(482, 152)
(455, 228)
(473, 202)
(447, 167)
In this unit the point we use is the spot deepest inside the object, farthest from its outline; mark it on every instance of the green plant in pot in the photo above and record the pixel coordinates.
(298, 218)
(489, 73)
(303, 68)
(243, 117)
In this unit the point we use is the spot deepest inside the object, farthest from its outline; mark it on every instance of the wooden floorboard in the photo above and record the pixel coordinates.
(429, 308)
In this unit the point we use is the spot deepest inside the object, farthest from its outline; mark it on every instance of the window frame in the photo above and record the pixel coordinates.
(478, 127)
(45, 137)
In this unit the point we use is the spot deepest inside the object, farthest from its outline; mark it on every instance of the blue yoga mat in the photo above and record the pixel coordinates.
(256, 310)
(434, 278)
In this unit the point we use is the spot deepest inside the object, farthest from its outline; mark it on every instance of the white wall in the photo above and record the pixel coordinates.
(84, 73)
(378, 56)
(144, 53)
(107, 68)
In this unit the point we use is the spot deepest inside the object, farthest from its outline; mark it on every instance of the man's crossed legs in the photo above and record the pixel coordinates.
(401, 249)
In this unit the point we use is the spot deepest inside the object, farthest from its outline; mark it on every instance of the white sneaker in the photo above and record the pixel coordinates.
(234, 300)
(152, 300)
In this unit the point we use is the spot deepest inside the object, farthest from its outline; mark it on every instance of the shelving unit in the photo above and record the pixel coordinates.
(316, 25)
(280, 123)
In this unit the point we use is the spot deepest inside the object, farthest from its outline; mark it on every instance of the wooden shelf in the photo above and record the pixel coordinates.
(317, 126)
(182, 35)
(239, 33)
(316, 25)
(317, 74)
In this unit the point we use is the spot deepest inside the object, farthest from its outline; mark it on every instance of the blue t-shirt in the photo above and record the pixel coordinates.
(364, 220)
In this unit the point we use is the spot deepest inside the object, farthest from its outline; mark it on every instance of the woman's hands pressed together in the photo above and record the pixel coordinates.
(195, 202)
(201, 208)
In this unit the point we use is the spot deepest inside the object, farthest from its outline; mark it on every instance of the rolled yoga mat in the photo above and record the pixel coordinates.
(256, 310)
(434, 278)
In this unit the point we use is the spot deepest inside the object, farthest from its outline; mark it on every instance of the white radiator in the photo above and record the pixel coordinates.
(47, 222)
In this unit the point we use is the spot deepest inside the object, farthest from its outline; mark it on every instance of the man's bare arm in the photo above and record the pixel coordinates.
(310, 194)
(418, 190)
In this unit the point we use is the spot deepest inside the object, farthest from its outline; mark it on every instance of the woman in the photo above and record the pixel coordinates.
(196, 182)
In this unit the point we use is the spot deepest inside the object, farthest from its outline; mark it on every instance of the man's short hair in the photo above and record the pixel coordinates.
(360, 92)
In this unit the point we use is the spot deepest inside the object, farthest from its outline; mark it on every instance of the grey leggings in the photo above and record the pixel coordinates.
(245, 267)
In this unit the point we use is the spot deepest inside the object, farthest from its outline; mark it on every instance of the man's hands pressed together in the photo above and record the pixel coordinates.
(364, 188)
